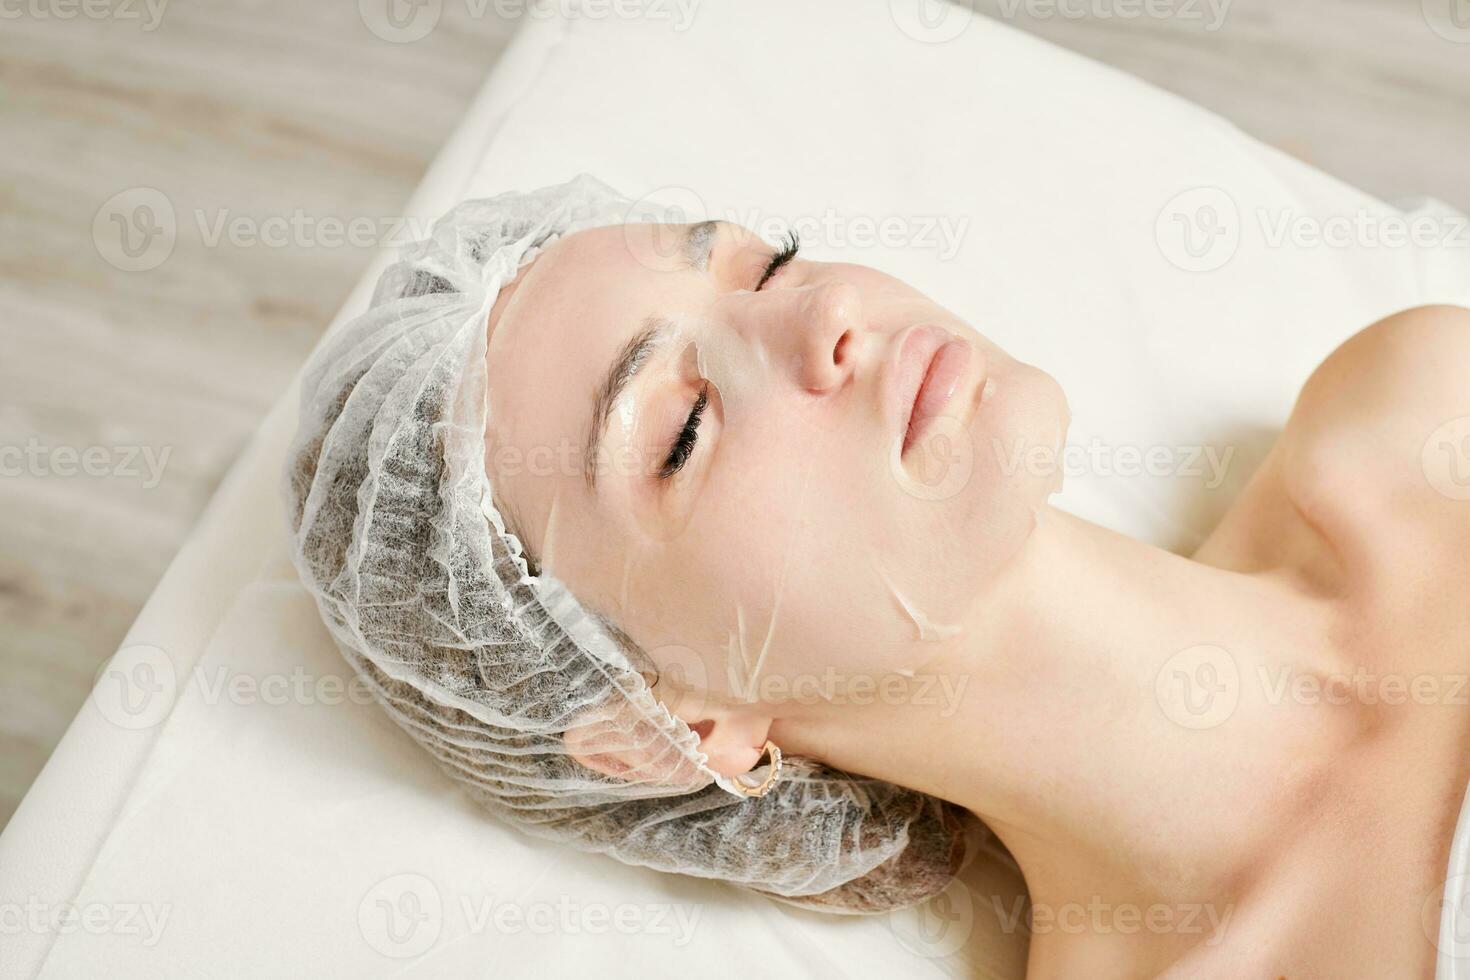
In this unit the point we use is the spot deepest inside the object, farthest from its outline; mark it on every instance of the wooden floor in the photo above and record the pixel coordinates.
(284, 108)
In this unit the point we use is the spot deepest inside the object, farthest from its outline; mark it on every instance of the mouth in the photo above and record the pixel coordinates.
(928, 371)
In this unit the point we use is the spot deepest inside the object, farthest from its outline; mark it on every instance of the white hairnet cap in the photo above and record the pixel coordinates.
(396, 534)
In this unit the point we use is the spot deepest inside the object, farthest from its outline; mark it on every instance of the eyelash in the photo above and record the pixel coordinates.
(683, 446)
(784, 254)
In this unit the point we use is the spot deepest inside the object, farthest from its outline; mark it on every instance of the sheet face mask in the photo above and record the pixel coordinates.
(396, 534)
(743, 376)
(736, 375)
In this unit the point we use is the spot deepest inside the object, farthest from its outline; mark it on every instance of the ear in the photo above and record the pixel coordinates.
(733, 742)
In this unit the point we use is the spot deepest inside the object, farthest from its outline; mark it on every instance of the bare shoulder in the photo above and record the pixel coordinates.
(1379, 440)
(1415, 360)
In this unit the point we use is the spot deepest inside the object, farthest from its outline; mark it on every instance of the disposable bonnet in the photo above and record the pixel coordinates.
(396, 534)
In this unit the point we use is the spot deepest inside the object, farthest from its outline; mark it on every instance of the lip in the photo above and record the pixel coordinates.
(924, 376)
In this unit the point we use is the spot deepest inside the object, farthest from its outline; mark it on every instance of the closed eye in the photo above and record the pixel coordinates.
(683, 446)
(684, 442)
(783, 255)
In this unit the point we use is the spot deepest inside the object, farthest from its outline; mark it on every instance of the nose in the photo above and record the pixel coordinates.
(812, 331)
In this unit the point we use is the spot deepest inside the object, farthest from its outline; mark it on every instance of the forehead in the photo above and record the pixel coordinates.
(570, 314)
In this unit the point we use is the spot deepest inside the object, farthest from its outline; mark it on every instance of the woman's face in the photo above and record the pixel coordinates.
(716, 446)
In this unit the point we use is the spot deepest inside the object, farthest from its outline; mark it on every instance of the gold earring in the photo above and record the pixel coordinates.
(770, 749)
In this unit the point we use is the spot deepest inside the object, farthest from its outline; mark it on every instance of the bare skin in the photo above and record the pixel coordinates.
(1299, 830)
(1305, 834)
(1344, 514)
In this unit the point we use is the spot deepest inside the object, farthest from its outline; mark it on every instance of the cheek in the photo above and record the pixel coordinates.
(804, 553)
(720, 588)
(783, 570)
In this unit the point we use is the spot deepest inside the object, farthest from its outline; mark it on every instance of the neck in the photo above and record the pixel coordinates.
(1102, 733)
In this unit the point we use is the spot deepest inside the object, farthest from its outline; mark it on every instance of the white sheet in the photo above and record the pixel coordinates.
(276, 839)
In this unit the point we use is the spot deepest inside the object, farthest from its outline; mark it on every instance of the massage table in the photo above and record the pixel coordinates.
(228, 804)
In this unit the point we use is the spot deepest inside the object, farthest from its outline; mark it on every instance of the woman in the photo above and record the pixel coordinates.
(613, 515)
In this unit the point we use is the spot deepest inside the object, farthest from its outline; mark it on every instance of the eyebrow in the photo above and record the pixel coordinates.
(626, 364)
(699, 240)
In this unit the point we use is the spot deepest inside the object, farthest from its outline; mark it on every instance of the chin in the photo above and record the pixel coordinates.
(973, 497)
(1016, 438)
